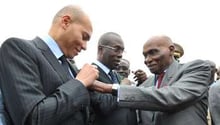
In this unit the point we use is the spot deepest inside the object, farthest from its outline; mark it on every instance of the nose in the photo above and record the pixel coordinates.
(119, 55)
(84, 45)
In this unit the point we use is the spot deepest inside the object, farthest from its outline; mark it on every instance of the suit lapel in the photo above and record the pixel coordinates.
(170, 72)
(102, 75)
(47, 53)
(149, 82)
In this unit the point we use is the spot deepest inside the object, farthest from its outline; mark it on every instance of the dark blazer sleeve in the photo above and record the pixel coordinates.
(103, 103)
(186, 87)
(23, 88)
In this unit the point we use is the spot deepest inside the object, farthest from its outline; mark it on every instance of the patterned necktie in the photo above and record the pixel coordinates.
(159, 79)
(65, 66)
(113, 77)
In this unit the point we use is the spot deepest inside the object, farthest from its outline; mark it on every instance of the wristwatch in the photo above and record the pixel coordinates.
(115, 88)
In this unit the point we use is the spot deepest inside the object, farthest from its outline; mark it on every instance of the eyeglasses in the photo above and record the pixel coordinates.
(116, 49)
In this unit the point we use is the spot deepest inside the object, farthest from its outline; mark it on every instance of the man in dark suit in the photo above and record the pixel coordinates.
(37, 84)
(179, 94)
(110, 49)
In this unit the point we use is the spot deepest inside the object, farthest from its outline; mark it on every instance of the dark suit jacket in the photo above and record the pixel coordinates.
(34, 88)
(182, 100)
(4, 117)
(106, 108)
(214, 102)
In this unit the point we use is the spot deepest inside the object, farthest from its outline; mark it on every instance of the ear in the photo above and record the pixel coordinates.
(66, 20)
(172, 49)
(100, 49)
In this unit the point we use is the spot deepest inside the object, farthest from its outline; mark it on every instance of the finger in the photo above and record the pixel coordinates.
(95, 66)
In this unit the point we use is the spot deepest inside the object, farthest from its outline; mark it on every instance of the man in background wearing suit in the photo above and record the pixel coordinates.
(179, 94)
(123, 69)
(38, 86)
(110, 50)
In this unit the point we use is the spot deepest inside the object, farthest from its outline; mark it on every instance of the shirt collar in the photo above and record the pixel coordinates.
(51, 43)
(162, 72)
(156, 75)
(103, 67)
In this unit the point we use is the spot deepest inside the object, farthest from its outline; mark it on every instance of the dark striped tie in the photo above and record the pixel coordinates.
(65, 66)
(113, 76)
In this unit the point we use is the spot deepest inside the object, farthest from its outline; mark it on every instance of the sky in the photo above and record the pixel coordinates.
(194, 24)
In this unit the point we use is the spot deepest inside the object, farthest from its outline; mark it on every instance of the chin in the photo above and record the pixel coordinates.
(153, 71)
(74, 54)
(70, 56)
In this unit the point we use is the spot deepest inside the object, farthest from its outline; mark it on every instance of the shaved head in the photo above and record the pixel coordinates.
(160, 41)
(73, 11)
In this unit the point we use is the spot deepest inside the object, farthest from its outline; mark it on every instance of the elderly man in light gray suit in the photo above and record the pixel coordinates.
(181, 97)
(214, 103)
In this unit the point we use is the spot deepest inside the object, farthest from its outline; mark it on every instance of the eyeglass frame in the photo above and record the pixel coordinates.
(115, 49)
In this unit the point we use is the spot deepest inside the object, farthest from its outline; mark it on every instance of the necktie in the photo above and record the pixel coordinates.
(159, 79)
(113, 77)
(74, 69)
(65, 66)
(72, 63)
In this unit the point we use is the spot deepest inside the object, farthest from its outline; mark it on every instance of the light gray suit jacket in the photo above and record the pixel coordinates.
(182, 100)
(214, 103)
(146, 117)
(34, 87)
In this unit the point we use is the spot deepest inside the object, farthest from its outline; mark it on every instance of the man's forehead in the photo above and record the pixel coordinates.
(123, 63)
(156, 45)
(159, 41)
(152, 45)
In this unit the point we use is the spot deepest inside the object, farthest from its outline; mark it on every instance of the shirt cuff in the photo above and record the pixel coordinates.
(116, 90)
